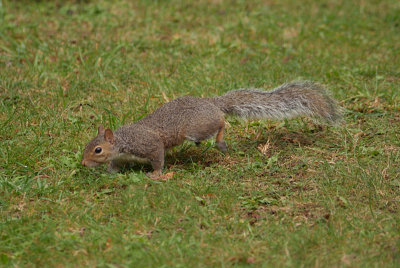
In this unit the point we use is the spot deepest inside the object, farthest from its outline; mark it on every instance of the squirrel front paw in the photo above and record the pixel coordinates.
(112, 168)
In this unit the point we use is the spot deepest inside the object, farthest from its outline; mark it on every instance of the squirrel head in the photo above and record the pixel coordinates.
(100, 150)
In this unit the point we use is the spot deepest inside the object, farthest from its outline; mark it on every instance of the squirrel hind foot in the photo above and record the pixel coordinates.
(156, 174)
(222, 146)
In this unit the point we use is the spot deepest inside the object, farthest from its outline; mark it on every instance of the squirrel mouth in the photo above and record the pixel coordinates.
(90, 163)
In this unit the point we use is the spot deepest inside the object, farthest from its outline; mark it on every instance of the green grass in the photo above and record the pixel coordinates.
(288, 193)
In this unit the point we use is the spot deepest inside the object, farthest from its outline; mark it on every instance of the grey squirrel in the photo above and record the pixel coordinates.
(197, 119)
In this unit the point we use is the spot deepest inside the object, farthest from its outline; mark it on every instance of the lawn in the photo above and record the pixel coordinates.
(288, 193)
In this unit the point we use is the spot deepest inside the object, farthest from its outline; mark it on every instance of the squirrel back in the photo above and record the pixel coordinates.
(197, 119)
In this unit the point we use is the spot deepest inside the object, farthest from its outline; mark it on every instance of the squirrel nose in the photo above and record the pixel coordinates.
(83, 162)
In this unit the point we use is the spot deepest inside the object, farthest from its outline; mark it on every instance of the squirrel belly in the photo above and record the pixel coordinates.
(197, 119)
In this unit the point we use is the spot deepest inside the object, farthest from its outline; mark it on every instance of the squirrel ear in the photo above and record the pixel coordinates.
(109, 135)
(100, 130)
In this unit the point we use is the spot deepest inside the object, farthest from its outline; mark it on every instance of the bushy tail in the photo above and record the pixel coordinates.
(301, 98)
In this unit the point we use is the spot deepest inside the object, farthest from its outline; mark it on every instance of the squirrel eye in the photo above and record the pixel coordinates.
(97, 150)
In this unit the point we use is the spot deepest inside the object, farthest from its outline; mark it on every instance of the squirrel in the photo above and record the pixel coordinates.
(197, 119)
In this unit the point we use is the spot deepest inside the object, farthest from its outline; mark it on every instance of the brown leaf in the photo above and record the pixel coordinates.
(166, 176)
(264, 148)
(251, 260)
(289, 33)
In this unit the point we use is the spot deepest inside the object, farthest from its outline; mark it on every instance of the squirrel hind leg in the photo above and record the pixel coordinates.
(219, 139)
(158, 164)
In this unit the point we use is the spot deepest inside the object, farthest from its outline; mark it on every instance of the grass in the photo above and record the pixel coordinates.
(288, 193)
